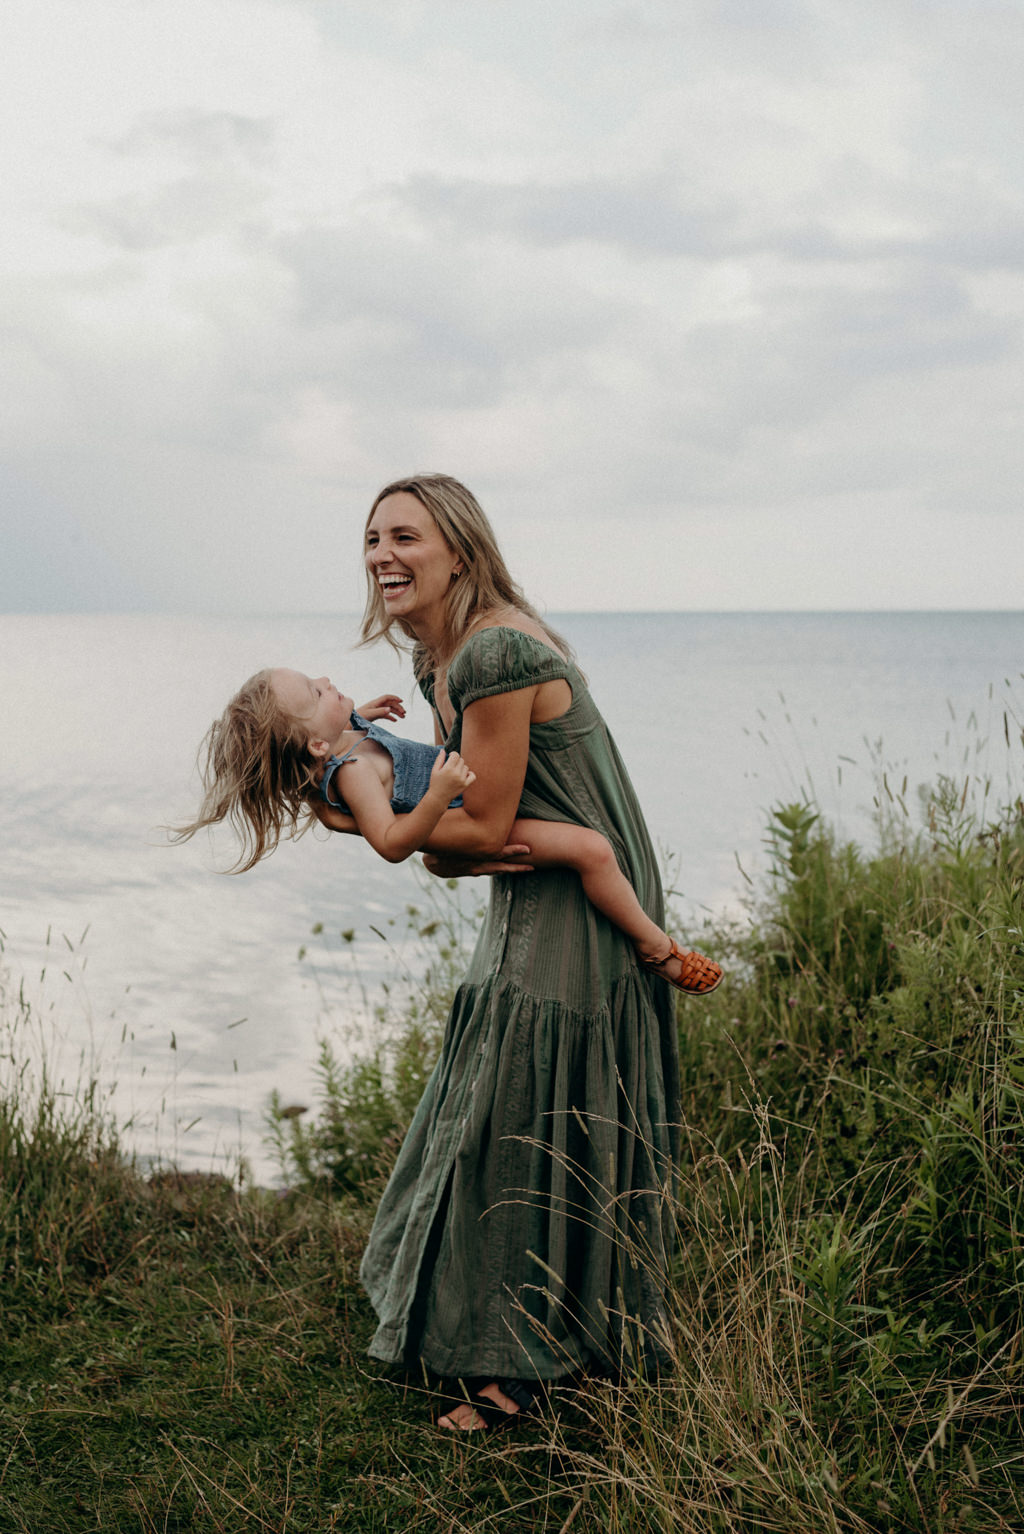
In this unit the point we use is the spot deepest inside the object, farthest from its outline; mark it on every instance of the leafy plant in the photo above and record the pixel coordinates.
(845, 1313)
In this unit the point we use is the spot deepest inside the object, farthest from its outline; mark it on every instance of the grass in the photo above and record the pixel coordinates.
(848, 1295)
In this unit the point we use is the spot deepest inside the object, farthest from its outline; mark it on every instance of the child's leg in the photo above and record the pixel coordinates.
(555, 844)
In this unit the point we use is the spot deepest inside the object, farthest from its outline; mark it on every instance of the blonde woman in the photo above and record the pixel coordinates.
(526, 1230)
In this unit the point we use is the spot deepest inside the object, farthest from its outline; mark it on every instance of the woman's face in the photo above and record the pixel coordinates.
(409, 559)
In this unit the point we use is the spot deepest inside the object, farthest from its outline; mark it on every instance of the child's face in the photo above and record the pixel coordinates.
(316, 704)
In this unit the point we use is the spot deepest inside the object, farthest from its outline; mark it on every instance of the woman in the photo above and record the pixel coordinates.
(526, 1227)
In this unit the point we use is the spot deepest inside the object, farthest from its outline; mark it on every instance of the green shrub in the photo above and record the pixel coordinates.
(847, 1302)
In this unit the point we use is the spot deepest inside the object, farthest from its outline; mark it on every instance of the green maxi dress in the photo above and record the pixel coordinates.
(526, 1228)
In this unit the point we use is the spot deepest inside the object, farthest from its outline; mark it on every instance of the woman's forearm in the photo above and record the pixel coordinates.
(465, 835)
(332, 818)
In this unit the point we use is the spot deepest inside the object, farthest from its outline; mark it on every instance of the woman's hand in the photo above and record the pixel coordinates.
(334, 819)
(510, 860)
(387, 706)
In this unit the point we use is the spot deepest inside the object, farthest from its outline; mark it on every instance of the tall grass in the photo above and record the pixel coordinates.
(849, 1291)
(847, 1298)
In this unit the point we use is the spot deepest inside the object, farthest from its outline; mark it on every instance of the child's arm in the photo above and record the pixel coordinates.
(387, 706)
(397, 837)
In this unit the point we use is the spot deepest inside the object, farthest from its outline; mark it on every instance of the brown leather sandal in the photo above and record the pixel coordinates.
(698, 975)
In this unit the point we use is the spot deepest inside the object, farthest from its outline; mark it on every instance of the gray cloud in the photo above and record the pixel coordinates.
(658, 215)
(680, 262)
(200, 138)
(176, 213)
(641, 215)
(427, 325)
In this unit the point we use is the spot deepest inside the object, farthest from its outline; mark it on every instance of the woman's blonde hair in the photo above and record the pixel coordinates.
(483, 586)
(257, 771)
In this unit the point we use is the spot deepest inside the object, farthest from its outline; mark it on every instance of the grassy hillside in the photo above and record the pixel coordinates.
(848, 1296)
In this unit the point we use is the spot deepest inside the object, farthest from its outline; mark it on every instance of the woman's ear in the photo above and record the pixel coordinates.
(319, 748)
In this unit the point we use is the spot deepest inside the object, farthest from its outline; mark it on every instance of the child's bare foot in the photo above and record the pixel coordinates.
(690, 972)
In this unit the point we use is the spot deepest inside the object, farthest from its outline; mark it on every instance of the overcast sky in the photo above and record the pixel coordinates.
(715, 305)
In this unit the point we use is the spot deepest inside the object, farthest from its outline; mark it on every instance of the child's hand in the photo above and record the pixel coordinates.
(450, 774)
(387, 706)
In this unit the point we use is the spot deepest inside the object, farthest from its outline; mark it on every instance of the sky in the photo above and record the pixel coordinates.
(714, 305)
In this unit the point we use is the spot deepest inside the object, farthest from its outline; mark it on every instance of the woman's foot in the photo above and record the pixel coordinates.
(489, 1409)
(690, 972)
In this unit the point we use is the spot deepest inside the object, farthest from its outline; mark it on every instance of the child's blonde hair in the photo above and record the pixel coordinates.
(258, 773)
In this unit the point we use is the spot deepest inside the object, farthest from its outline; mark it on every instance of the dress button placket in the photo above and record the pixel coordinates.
(503, 929)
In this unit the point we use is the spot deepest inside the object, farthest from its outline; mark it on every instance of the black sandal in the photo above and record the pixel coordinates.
(494, 1418)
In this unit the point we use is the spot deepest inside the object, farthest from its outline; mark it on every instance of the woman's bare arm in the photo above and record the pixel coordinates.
(507, 861)
(333, 818)
(496, 744)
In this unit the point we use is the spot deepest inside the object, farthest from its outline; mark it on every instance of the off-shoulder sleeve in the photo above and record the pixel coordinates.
(499, 660)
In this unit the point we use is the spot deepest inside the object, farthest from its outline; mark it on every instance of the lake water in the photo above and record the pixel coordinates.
(183, 989)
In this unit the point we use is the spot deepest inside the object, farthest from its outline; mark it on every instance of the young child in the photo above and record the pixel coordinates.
(287, 741)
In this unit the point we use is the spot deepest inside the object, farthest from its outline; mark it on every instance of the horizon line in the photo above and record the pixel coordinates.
(555, 612)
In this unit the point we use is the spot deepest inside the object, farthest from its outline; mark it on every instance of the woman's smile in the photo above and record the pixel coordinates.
(393, 583)
(408, 558)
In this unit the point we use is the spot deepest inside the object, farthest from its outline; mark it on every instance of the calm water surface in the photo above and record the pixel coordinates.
(184, 989)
